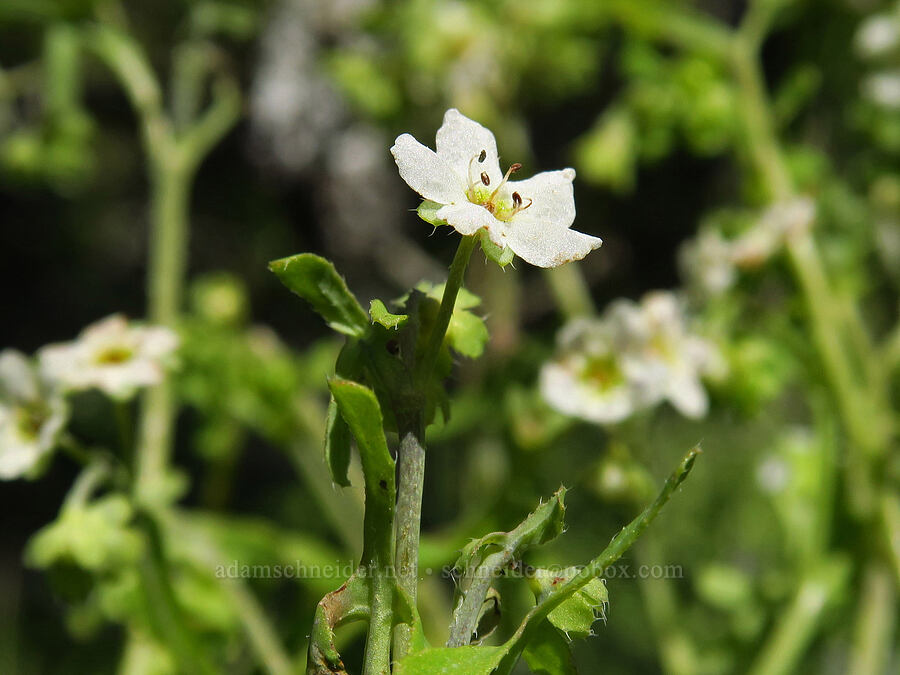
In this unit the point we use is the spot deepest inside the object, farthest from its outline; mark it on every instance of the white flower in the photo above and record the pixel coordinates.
(664, 359)
(31, 418)
(531, 217)
(778, 224)
(631, 358)
(883, 89)
(707, 262)
(111, 355)
(586, 380)
(878, 35)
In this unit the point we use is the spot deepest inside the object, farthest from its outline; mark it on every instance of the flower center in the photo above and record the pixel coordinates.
(29, 420)
(114, 355)
(495, 201)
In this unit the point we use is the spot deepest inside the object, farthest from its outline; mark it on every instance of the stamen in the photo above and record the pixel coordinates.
(482, 156)
(485, 178)
(517, 203)
(510, 171)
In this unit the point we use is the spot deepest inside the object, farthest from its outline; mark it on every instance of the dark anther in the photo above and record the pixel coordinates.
(393, 347)
(515, 167)
(485, 178)
(482, 156)
(517, 199)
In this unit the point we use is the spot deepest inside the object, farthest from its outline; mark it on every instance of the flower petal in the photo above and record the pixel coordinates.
(460, 139)
(467, 218)
(426, 173)
(551, 195)
(17, 379)
(546, 245)
(685, 392)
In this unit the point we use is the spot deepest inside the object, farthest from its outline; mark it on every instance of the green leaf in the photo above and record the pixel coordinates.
(502, 255)
(315, 280)
(381, 315)
(95, 536)
(359, 408)
(532, 623)
(466, 333)
(576, 615)
(548, 653)
(428, 212)
(337, 445)
(451, 661)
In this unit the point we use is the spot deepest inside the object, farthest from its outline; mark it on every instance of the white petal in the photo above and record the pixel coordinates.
(561, 388)
(426, 173)
(547, 246)
(686, 393)
(553, 199)
(460, 139)
(467, 218)
(17, 379)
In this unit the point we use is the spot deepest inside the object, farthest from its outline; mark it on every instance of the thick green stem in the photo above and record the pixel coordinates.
(165, 282)
(875, 622)
(411, 453)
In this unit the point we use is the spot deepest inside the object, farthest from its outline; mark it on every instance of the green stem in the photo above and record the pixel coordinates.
(570, 290)
(260, 632)
(828, 319)
(875, 622)
(448, 301)
(797, 626)
(411, 453)
(411, 477)
(617, 547)
(677, 652)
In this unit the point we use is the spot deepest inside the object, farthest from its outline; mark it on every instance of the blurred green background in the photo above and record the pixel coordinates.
(652, 127)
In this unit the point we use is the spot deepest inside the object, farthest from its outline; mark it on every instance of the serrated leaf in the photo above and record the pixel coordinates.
(337, 445)
(467, 660)
(548, 653)
(381, 315)
(428, 212)
(575, 616)
(315, 280)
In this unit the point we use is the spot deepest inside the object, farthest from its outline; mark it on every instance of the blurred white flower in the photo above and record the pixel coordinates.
(112, 355)
(663, 358)
(883, 89)
(31, 418)
(532, 217)
(586, 379)
(633, 357)
(778, 224)
(878, 35)
(706, 262)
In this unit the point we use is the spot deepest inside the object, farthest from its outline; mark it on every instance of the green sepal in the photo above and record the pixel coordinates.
(382, 316)
(337, 445)
(502, 255)
(315, 280)
(428, 212)
(468, 660)
(548, 653)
